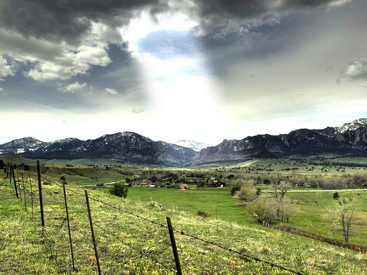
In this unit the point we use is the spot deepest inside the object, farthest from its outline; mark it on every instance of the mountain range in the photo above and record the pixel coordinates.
(348, 140)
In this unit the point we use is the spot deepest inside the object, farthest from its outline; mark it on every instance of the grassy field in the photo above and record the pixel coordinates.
(316, 214)
(132, 239)
(315, 211)
(129, 243)
(216, 202)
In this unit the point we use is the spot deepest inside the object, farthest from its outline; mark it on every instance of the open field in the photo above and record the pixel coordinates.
(316, 214)
(314, 210)
(216, 202)
(229, 220)
(137, 243)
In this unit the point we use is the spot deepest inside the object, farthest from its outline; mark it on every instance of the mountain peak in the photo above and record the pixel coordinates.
(21, 145)
(348, 140)
(192, 144)
(354, 125)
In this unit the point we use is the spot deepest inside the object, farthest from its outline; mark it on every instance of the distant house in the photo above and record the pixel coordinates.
(303, 184)
(145, 182)
(213, 182)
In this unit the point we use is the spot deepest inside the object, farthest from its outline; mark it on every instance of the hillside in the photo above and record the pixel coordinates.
(121, 147)
(132, 237)
(348, 140)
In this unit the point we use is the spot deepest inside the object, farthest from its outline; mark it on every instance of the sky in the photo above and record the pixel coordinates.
(205, 70)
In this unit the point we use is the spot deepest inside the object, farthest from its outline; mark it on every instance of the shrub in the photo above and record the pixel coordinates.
(248, 191)
(202, 214)
(272, 210)
(336, 196)
(234, 190)
(264, 209)
(119, 190)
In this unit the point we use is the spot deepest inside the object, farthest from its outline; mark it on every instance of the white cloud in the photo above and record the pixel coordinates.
(58, 61)
(72, 62)
(109, 91)
(5, 69)
(357, 69)
(337, 3)
(76, 86)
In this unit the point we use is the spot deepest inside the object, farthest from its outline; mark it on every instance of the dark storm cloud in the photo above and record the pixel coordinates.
(66, 20)
(214, 13)
(258, 43)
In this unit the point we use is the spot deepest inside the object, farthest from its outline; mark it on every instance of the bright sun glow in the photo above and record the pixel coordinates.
(184, 98)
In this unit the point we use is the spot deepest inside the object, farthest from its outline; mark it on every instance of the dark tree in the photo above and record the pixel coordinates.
(119, 190)
(336, 196)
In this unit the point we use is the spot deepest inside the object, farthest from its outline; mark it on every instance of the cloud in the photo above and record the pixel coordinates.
(5, 69)
(67, 20)
(72, 88)
(58, 40)
(231, 14)
(109, 91)
(47, 60)
(357, 70)
(74, 61)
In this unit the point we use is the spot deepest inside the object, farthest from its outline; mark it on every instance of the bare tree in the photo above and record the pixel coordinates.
(280, 189)
(344, 212)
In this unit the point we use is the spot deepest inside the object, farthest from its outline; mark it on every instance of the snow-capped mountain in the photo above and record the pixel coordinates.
(21, 145)
(123, 146)
(354, 125)
(348, 140)
(192, 144)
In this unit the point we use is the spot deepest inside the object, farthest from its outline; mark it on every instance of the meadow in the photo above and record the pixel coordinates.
(132, 235)
(314, 210)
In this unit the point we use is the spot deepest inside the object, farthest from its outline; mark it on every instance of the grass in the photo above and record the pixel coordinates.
(216, 202)
(316, 214)
(314, 210)
(129, 243)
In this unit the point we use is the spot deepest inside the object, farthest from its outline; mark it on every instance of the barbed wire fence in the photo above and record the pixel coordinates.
(68, 235)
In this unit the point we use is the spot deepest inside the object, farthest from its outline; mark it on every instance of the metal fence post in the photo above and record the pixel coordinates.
(25, 193)
(69, 231)
(15, 183)
(174, 247)
(92, 231)
(40, 193)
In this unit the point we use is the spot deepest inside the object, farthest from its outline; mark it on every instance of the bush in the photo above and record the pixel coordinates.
(202, 214)
(248, 191)
(234, 190)
(272, 210)
(119, 190)
(264, 209)
(336, 196)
